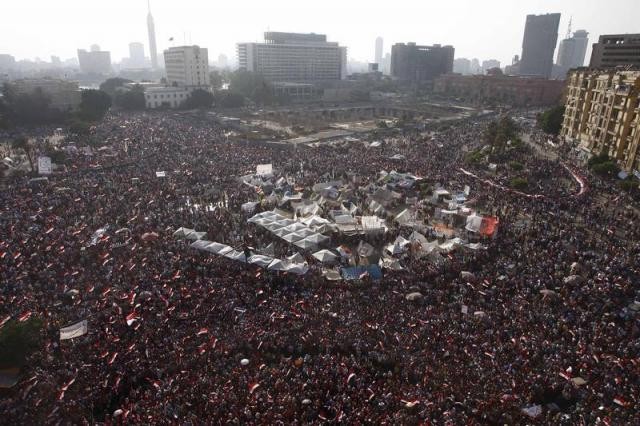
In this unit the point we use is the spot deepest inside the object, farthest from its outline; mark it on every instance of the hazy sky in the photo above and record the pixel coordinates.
(484, 29)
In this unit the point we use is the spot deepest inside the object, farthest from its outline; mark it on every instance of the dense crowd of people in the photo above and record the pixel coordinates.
(178, 336)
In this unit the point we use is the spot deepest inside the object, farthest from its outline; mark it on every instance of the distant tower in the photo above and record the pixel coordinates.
(378, 58)
(153, 51)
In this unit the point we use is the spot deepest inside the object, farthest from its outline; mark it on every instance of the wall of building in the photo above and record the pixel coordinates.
(602, 114)
(511, 90)
(413, 63)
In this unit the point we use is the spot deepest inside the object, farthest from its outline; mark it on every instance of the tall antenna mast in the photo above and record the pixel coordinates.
(569, 29)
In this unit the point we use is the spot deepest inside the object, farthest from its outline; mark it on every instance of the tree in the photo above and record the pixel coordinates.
(94, 104)
(551, 120)
(18, 340)
(251, 85)
(23, 144)
(131, 100)
(228, 99)
(29, 108)
(216, 80)
(199, 99)
(519, 183)
(607, 168)
(111, 85)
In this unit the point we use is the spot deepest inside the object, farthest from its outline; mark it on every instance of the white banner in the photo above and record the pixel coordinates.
(264, 169)
(44, 165)
(76, 330)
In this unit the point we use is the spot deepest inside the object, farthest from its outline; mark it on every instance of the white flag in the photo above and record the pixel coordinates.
(76, 330)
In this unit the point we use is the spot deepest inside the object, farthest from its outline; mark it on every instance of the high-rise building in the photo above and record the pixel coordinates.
(489, 64)
(343, 63)
(571, 53)
(94, 48)
(413, 63)
(153, 50)
(187, 66)
(386, 64)
(7, 61)
(601, 114)
(94, 62)
(476, 68)
(293, 57)
(136, 55)
(55, 61)
(616, 49)
(539, 44)
(462, 66)
(379, 47)
(223, 61)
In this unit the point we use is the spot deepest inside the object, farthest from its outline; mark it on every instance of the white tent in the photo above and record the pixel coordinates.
(295, 227)
(365, 249)
(262, 261)
(236, 255)
(278, 265)
(297, 268)
(416, 236)
(404, 217)
(296, 258)
(189, 234)
(325, 256)
(391, 264)
(450, 245)
(317, 238)
(218, 248)
(305, 244)
(249, 207)
(292, 237)
(200, 244)
(474, 222)
(269, 250)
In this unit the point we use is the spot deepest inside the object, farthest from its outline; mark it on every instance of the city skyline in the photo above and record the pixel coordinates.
(473, 34)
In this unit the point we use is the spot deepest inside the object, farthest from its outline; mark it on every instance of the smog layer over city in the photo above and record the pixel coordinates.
(286, 212)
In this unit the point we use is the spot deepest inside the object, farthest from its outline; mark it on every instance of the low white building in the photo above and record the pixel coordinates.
(166, 97)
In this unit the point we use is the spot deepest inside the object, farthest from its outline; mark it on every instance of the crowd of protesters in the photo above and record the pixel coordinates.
(178, 336)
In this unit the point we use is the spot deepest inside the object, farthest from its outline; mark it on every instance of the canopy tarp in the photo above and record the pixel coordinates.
(360, 272)
(325, 256)
(262, 261)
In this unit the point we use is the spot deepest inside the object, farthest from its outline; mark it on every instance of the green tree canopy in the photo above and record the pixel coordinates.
(551, 120)
(216, 79)
(111, 85)
(18, 340)
(199, 99)
(131, 99)
(29, 108)
(94, 104)
(228, 99)
(253, 86)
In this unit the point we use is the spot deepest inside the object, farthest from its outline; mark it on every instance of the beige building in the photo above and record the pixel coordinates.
(64, 95)
(187, 66)
(603, 114)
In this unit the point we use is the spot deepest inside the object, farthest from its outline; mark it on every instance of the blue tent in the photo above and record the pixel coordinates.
(355, 272)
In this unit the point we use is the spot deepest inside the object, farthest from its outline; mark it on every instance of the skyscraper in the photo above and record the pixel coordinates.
(136, 55)
(418, 64)
(379, 44)
(293, 57)
(571, 52)
(153, 51)
(539, 44)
